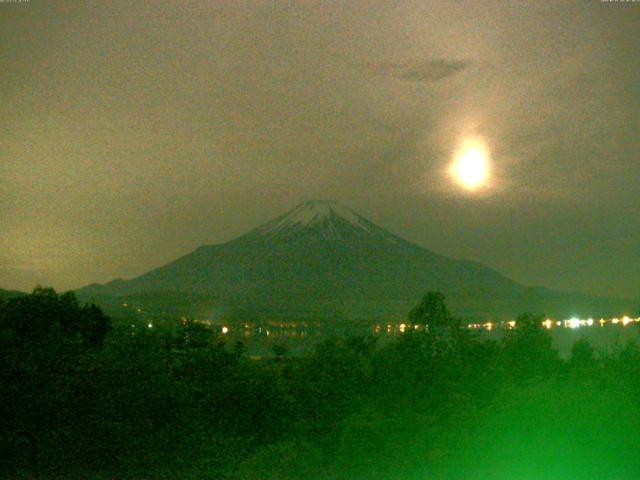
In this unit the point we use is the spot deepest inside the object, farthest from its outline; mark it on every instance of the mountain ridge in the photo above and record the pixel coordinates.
(8, 294)
(322, 260)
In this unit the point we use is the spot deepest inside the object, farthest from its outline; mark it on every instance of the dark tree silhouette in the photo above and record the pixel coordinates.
(582, 354)
(527, 349)
(432, 312)
(94, 325)
(44, 316)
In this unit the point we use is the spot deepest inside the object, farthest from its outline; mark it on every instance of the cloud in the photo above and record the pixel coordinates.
(427, 71)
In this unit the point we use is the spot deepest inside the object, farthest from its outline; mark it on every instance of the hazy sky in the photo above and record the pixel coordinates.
(133, 132)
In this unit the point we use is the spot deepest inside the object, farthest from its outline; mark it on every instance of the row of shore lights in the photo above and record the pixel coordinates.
(548, 323)
(569, 323)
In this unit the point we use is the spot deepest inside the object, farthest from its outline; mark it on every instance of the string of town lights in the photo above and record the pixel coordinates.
(548, 323)
(572, 323)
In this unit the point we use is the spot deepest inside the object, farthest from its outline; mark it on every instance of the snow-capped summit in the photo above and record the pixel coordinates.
(321, 219)
(315, 211)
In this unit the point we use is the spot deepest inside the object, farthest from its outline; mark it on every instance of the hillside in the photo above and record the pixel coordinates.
(6, 294)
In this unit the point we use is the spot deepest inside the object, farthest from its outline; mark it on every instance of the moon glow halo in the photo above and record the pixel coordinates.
(470, 167)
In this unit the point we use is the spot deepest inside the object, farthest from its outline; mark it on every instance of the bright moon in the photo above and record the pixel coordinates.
(470, 167)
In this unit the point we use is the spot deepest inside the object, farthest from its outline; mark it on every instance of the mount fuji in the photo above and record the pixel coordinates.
(323, 261)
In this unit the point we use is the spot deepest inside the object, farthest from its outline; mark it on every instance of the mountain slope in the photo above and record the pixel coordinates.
(321, 260)
(7, 294)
